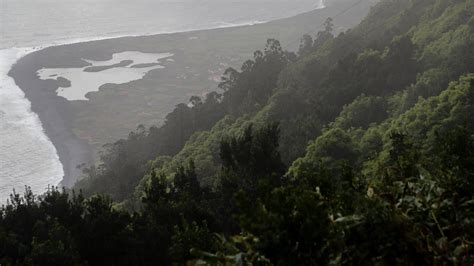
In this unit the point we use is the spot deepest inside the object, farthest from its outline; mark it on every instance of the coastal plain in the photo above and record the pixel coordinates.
(79, 128)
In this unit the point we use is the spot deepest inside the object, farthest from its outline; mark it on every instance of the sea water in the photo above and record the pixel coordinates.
(27, 156)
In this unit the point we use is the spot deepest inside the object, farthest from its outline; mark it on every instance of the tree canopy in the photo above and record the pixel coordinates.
(358, 149)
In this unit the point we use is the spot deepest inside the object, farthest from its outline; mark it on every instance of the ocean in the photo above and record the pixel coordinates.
(27, 156)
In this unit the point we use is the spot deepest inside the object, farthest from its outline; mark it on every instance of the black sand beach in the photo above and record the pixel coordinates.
(78, 129)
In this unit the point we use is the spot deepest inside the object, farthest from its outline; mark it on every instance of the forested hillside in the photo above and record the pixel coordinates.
(357, 149)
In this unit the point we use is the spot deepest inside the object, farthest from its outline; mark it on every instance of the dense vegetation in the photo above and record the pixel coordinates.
(358, 149)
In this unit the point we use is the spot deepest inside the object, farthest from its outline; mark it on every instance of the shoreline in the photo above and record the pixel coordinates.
(64, 136)
(19, 121)
(60, 134)
(57, 114)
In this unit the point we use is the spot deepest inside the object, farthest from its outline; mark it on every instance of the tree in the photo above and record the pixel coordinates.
(195, 101)
(323, 36)
(306, 45)
(328, 25)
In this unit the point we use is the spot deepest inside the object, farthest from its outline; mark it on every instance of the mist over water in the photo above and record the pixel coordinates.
(39, 22)
(27, 156)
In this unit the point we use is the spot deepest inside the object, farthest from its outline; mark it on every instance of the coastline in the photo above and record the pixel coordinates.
(57, 115)
(54, 114)
(22, 130)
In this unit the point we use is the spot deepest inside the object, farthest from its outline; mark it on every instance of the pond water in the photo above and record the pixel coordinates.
(122, 68)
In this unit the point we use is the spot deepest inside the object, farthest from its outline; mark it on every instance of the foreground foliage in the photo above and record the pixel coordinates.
(358, 149)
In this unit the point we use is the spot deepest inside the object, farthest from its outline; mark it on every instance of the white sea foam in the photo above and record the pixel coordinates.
(27, 156)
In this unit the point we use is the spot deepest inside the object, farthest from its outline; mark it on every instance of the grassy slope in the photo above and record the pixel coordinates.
(431, 26)
(116, 110)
